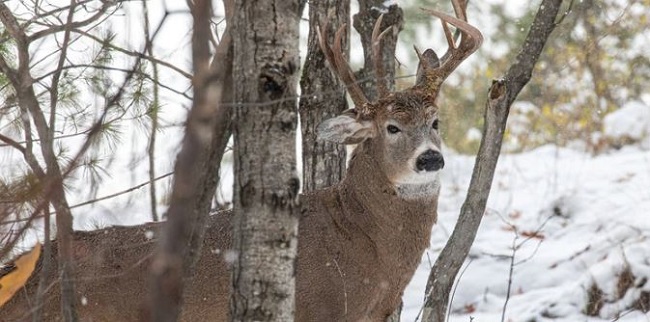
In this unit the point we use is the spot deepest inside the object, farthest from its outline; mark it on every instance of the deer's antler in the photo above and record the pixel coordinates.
(340, 66)
(471, 39)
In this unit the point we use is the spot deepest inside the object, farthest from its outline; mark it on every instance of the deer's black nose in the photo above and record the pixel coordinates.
(430, 161)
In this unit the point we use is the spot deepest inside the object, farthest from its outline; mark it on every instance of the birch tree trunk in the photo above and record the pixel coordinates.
(266, 62)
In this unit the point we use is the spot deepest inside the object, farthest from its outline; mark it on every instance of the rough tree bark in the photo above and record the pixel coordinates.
(196, 171)
(501, 95)
(364, 22)
(266, 62)
(323, 97)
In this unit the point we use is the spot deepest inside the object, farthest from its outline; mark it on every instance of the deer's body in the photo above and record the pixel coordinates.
(359, 242)
(359, 245)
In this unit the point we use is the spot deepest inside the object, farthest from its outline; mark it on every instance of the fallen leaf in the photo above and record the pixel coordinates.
(533, 234)
(16, 278)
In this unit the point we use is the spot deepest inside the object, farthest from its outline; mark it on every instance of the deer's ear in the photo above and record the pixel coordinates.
(428, 60)
(346, 129)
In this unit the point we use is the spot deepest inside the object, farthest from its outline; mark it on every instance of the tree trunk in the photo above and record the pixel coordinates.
(266, 62)
(221, 66)
(323, 97)
(195, 172)
(501, 95)
(364, 22)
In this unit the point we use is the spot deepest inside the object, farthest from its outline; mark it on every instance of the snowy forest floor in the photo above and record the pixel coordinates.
(578, 229)
(576, 224)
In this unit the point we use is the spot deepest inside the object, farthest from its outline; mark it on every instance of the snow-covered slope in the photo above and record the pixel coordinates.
(579, 225)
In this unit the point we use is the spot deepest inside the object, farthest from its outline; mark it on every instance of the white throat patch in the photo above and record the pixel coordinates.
(419, 191)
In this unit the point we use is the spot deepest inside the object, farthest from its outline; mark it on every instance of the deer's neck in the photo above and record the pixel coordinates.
(384, 209)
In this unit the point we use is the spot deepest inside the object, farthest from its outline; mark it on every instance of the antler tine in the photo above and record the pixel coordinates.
(460, 10)
(340, 66)
(471, 40)
(380, 73)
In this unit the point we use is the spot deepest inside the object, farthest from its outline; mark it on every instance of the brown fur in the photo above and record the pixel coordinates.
(359, 245)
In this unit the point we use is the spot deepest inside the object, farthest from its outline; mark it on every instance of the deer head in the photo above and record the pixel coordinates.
(399, 128)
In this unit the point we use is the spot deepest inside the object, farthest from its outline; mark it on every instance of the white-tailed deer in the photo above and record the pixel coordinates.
(359, 241)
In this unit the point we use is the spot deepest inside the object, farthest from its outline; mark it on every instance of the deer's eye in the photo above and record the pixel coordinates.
(392, 129)
(435, 125)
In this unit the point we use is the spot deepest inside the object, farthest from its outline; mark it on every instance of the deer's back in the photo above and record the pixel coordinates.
(112, 276)
(339, 277)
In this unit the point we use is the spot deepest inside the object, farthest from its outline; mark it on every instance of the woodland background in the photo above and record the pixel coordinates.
(570, 191)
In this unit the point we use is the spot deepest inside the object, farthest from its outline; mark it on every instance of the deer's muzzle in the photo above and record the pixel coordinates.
(430, 160)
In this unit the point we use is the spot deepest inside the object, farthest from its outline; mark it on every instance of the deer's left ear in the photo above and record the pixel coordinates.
(428, 60)
(346, 129)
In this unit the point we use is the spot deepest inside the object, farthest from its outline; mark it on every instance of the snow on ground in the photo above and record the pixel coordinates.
(631, 122)
(575, 219)
(580, 223)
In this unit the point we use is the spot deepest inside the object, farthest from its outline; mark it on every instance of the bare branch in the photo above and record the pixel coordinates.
(142, 55)
(42, 15)
(96, 200)
(74, 25)
(56, 77)
(153, 112)
(12, 143)
(500, 97)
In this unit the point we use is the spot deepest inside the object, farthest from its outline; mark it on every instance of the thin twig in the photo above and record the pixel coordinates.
(147, 56)
(510, 273)
(117, 194)
(96, 200)
(151, 146)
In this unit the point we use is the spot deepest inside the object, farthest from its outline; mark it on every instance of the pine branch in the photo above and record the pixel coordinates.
(118, 69)
(96, 200)
(146, 56)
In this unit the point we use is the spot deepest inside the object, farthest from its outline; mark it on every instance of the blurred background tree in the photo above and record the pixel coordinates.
(594, 64)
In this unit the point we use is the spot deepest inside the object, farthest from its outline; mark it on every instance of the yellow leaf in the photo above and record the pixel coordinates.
(18, 276)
